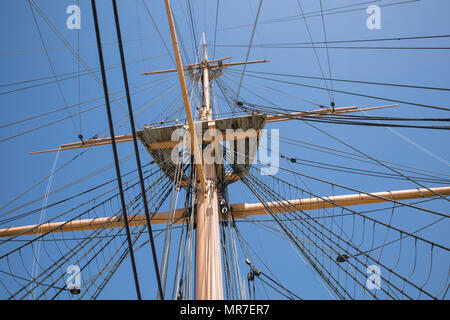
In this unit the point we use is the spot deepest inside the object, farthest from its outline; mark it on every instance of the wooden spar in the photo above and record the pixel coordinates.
(321, 112)
(209, 283)
(89, 224)
(187, 67)
(171, 144)
(190, 66)
(230, 64)
(126, 138)
(244, 210)
(239, 211)
(195, 149)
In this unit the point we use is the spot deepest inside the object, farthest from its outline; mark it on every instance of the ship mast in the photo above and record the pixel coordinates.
(208, 256)
(209, 284)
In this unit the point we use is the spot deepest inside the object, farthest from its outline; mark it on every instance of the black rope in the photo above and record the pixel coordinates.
(332, 103)
(113, 140)
(352, 81)
(314, 48)
(249, 48)
(292, 44)
(317, 13)
(355, 94)
(215, 29)
(51, 64)
(136, 148)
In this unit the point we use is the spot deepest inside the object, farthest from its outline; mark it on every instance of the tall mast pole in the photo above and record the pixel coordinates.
(209, 284)
(208, 256)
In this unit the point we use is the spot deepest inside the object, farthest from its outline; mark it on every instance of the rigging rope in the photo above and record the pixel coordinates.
(116, 159)
(136, 148)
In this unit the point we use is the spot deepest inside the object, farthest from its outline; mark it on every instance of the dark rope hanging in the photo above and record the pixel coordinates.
(113, 140)
(136, 148)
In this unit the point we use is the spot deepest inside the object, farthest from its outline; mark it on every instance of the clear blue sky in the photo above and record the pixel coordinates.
(22, 58)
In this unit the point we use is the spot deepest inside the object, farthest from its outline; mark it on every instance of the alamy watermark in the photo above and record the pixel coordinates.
(74, 20)
(73, 282)
(373, 281)
(374, 20)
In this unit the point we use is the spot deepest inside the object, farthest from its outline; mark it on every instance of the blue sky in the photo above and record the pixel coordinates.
(22, 58)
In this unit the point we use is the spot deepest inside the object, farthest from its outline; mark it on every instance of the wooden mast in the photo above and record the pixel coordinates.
(208, 259)
(209, 284)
